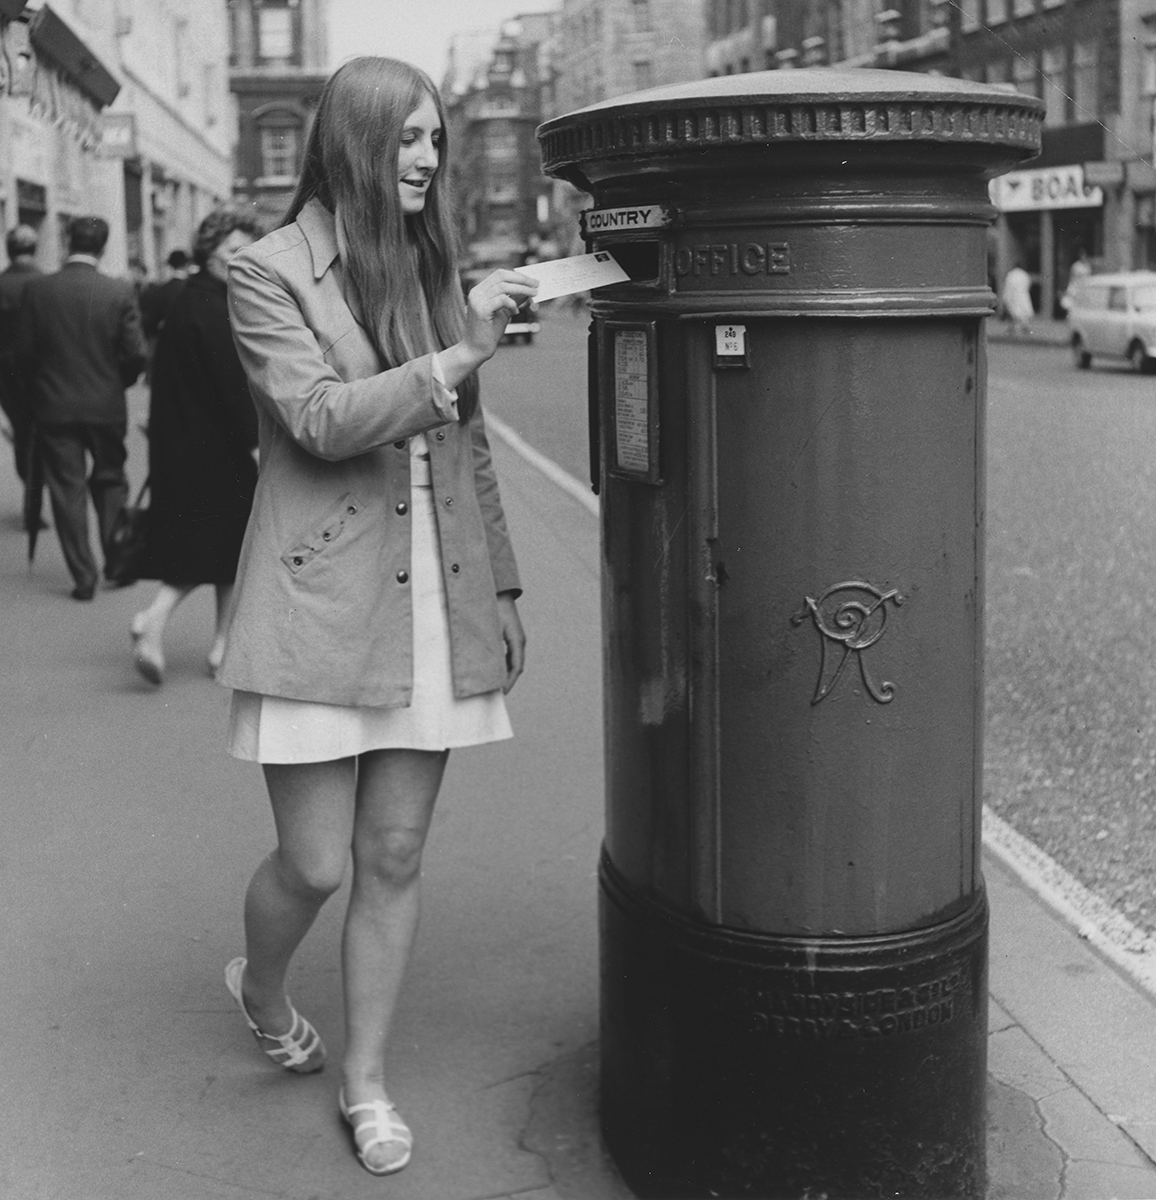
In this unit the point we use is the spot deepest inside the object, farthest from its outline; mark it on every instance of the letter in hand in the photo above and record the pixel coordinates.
(489, 307)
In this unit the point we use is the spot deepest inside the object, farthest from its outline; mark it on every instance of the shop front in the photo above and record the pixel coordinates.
(1048, 216)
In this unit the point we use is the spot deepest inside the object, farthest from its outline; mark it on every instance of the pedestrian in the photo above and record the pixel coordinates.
(157, 299)
(202, 446)
(1079, 270)
(14, 400)
(80, 341)
(1017, 299)
(373, 629)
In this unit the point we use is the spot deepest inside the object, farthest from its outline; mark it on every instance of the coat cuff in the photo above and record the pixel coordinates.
(445, 399)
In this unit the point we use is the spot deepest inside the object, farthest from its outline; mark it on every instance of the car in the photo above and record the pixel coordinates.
(1114, 316)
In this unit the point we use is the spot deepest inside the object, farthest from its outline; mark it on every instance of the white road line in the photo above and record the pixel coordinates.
(1108, 930)
(580, 491)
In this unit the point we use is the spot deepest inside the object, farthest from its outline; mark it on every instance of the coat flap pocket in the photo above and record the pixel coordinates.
(327, 531)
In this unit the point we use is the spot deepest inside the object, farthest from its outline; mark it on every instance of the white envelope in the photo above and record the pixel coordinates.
(583, 272)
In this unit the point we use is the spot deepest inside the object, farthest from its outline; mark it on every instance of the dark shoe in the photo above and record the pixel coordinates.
(84, 591)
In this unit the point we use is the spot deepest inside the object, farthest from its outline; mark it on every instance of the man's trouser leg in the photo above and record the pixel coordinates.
(62, 454)
(107, 483)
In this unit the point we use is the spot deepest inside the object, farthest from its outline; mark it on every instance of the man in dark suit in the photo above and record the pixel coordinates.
(21, 246)
(82, 345)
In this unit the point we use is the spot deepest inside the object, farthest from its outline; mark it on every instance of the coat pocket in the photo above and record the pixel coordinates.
(323, 535)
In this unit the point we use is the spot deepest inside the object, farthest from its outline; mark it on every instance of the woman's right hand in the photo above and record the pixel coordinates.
(490, 305)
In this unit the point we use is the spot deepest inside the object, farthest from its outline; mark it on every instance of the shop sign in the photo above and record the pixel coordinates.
(118, 135)
(624, 220)
(1045, 187)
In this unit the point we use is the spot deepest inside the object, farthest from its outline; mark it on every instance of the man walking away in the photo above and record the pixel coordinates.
(14, 400)
(82, 345)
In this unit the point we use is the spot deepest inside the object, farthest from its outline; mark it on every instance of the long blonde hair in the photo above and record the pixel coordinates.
(401, 271)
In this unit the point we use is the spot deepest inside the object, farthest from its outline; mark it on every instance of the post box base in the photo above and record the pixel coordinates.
(739, 1064)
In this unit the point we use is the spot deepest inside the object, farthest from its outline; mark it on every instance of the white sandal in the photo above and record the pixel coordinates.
(387, 1127)
(301, 1050)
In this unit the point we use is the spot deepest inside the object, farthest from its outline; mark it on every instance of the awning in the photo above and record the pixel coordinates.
(52, 38)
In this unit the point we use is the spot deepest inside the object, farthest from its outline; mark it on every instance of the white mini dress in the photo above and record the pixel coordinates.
(273, 729)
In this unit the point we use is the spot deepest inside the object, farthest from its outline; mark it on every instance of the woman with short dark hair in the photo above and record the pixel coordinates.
(375, 625)
(202, 441)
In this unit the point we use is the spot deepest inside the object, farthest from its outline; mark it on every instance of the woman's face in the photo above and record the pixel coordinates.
(218, 262)
(417, 159)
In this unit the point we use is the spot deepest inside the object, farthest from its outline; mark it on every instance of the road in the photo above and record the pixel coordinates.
(1071, 592)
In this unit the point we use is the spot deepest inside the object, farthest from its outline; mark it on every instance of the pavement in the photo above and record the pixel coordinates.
(129, 838)
(1041, 332)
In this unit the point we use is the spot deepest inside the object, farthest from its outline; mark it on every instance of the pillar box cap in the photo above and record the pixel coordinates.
(734, 120)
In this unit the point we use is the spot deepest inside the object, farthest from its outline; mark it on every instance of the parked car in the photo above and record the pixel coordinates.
(1114, 316)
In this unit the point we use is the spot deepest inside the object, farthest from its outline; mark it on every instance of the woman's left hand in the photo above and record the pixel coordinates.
(514, 636)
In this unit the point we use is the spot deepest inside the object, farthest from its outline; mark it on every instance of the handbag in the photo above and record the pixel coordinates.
(126, 557)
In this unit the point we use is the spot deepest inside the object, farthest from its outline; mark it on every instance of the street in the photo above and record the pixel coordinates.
(129, 835)
(1071, 591)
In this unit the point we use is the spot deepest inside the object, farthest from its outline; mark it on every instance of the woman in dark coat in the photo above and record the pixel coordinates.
(202, 446)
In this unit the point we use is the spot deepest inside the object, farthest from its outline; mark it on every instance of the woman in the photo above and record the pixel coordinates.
(202, 442)
(375, 624)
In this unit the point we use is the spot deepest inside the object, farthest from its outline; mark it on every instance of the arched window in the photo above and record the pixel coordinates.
(279, 143)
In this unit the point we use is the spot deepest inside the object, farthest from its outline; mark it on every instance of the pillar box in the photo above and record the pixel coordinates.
(787, 405)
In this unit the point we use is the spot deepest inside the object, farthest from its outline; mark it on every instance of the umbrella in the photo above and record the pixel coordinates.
(33, 492)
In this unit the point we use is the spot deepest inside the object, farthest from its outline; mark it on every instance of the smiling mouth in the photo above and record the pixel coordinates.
(416, 183)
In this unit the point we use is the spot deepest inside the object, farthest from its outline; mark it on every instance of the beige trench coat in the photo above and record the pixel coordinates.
(322, 608)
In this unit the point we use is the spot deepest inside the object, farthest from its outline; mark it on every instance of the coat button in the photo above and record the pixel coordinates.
(399, 445)
(402, 508)
(449, 502)
(351, 510)
(403, 577)
(441, 435)
(326, 536)
(455, 568)
(298, 562)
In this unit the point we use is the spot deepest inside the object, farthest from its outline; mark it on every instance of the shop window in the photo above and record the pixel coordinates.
(279, 151)
(1055, 68)
(1086, 81)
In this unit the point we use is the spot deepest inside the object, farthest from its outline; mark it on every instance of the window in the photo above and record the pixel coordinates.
(1117, 299)
(969, 15)
(279, 151)
(501, 144)
(275, 32)
(1085, 81)
(1055, 67)
(643, 74)
(1023, 8)
(1025, 75)
(997, 71)
(641, 14)
(996, 12)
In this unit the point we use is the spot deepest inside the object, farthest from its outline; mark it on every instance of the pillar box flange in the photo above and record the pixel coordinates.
(787, 407)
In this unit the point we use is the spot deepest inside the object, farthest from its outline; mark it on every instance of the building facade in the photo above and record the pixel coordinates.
(493, 92)
(117, 108)
(278, 64)
(1092, 62)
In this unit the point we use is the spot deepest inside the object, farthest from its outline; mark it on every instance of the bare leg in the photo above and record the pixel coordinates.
(313, 805)
(396, 790)
(224, 605)
(148, 630)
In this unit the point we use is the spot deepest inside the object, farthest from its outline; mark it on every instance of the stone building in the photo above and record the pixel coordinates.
(118, 108)
(1093, 62)
(493, 91)
(278, 64)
